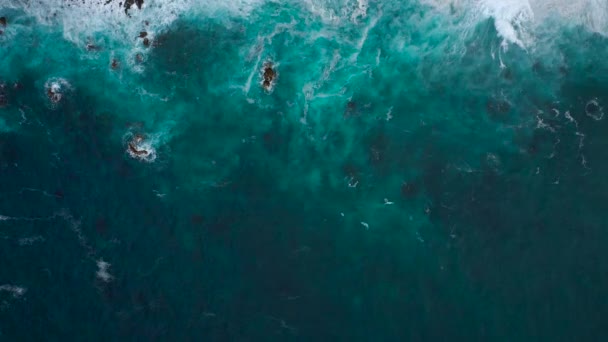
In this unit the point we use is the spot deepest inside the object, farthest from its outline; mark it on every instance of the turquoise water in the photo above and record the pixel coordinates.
(417, 171)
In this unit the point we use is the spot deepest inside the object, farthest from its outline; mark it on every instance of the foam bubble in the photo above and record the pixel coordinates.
(103, 271)
(15, 291)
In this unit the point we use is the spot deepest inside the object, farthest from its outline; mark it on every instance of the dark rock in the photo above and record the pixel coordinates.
(129, 3)
(143, 34)
(269, 75)
(133, 146)
(592, 108)
(351, 109)
(115, 64)
(507, 74)
(408, 189)
(93, 47)
(197, 219)
(3, 21)
(139, 58)
(59, 194)
(146, 42)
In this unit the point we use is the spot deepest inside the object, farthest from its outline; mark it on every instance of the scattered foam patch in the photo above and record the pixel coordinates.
(103, 271)
(13, 290)
(28, 241)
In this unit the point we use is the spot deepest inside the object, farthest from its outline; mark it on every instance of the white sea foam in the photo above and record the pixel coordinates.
(103, 271)
(511, 18)
(28, 241)
(14, 290)
(83, 20)
(518, 21)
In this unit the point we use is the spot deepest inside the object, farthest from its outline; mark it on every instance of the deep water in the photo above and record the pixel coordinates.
(417, 171)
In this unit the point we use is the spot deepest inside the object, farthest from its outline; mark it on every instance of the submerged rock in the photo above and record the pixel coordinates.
(93, 47)
(3, 96)
(409, 189)
(2, 24)
(351, 109)
(115, 64)
(143, 34)
(498, 108)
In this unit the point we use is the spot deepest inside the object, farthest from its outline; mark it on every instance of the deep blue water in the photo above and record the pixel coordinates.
(417, 170)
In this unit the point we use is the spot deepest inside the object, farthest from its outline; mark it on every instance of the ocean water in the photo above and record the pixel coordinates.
(418, 170)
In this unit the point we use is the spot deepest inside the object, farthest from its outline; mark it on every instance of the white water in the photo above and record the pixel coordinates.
(516, 21)
(82, 23)
(520, 21)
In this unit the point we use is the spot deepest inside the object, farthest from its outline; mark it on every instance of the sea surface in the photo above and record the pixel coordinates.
(412, 170)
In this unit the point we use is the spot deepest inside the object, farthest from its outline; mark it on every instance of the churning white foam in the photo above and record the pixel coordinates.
(517, 21)
(14, 290)
(103, 271)
(511, 18)
(84, 21)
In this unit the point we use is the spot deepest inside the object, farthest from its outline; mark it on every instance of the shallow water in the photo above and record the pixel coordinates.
(419, 170)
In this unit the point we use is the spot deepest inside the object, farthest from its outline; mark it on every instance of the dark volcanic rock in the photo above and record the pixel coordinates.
(3, 21)
(269, 75)
(129, 3)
